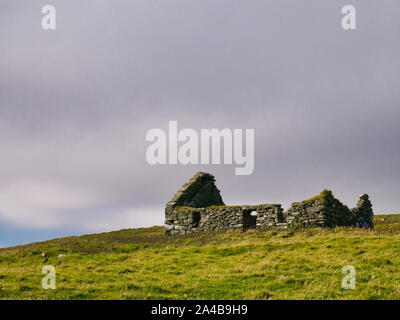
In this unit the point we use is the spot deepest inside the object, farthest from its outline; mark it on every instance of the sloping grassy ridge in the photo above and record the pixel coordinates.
(145, 264)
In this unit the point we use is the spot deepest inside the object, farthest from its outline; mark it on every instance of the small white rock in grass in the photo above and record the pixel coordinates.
(61, 255)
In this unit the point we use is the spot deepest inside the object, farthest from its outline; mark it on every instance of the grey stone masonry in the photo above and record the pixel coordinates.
(325, 210)
(198, 206)
(199, 192)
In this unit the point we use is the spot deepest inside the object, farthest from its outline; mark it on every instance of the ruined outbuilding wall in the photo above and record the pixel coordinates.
(198, 206)
(363, 214)
(325, 210)
(185, 219)
(199, 192)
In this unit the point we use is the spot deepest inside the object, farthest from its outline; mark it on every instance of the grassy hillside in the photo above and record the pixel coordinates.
(145, 264)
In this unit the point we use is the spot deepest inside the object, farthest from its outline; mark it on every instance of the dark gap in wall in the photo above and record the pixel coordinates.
(249, 219)
(196, 219)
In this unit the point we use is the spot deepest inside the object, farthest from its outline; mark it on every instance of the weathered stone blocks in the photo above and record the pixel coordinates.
(198, 206)
(325, 210)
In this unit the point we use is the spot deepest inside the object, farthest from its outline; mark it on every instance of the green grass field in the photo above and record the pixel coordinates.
(145, 264)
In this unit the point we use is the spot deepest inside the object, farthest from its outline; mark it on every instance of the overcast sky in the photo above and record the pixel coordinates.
(76, 104)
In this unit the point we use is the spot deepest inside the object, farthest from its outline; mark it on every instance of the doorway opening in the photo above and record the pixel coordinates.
(249, 219)
(196, 219)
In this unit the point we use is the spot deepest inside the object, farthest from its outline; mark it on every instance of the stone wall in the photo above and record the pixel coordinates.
(325, 210)
(185, 219)
(198, 206)
(269, 216)
(199, 192)
(363, 214)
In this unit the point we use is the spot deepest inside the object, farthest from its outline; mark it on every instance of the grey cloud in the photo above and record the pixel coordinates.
(76, 103)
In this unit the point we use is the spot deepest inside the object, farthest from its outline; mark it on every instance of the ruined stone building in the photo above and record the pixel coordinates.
(198, 206)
